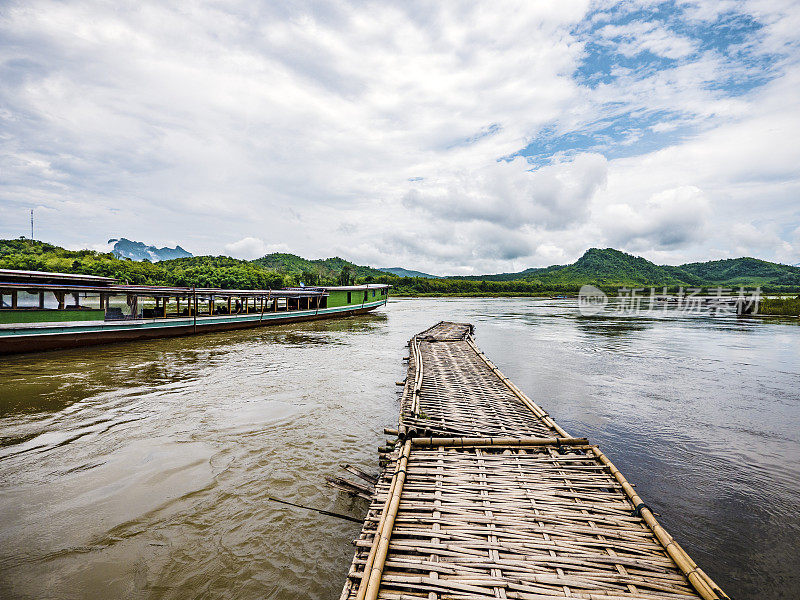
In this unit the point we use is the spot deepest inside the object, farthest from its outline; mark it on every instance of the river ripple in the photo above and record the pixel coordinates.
(142, 470)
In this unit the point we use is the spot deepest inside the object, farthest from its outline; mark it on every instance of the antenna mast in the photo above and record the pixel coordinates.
(31, 223)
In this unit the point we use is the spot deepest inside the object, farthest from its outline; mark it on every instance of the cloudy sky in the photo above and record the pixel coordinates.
(450, 137)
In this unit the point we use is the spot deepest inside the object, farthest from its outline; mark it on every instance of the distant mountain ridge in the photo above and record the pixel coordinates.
(597, 266)
(607, 268)
(401, 272)
(610, 267)
(125, 248)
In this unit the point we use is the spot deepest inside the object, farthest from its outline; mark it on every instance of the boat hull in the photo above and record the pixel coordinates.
(39, 339)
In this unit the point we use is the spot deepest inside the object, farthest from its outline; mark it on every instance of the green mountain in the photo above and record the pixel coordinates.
(610, 267)
(401, 272)
(200, 271)
(272, 270)
(744, 271)
(599, 267)
(316, 271)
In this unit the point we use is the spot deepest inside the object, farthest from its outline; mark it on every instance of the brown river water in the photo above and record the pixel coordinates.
(142, 470)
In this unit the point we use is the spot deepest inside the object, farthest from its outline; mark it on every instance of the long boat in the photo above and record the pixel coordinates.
(48, 311)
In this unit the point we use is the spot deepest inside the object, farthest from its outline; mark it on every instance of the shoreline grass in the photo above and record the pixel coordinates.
(787, 307)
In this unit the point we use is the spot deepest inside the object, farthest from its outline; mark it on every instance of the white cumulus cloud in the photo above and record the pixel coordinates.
(250, 248)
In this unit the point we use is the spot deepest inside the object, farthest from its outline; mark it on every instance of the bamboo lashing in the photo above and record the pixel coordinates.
(484, 496)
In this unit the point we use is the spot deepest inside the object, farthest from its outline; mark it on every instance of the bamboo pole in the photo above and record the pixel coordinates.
(701, 582)
(370, 582)
(263, 306)
(415, 402)
(480, 442)
(319, 510)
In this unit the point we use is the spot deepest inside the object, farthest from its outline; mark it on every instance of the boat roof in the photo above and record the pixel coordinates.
(157, 290)
(11, 279)
(17, 276)
(365, 286)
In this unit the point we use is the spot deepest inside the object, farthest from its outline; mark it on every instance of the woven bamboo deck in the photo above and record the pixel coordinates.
(485, 496)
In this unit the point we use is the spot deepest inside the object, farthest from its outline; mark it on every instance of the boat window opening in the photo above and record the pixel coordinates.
(323, 302)
(85, 300)
(373, 293)
(152, 307)
(49, 300)
(366, 295)
(27, 299)
(5, 301)
(117, 308)
(349, 297)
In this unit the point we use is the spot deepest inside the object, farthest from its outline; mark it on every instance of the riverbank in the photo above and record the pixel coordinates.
(789, 307)
(473, 295)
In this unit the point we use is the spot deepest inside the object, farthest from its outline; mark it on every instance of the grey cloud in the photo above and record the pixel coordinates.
(510, 195)
(670, 219)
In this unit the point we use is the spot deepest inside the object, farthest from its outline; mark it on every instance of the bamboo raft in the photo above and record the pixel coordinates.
(485, 496)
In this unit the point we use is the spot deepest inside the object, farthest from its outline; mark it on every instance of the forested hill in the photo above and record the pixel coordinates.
(601, 267)
(744, 271)
(610, 267)
(271, 271)
(314, 271)
(200, 271)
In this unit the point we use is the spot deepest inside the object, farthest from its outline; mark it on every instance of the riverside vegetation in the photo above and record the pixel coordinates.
(780, 306)
(607, 269)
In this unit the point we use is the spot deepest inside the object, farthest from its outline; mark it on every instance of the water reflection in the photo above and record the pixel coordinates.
(142, 469)
(611, 326)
